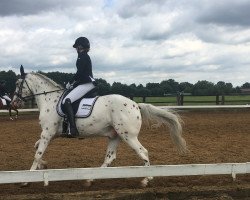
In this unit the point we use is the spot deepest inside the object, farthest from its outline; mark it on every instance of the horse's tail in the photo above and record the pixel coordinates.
(151, 114)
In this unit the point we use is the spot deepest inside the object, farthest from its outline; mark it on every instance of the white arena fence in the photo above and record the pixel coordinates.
(163, 107)
(123, 172)
(47, 175)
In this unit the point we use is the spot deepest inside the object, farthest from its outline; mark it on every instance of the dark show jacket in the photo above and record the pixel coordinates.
(84, 70)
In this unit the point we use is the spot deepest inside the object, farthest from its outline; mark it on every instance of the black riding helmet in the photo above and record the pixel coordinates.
(83, 41)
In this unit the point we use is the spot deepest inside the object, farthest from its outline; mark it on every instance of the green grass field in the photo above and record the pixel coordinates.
(196, 100)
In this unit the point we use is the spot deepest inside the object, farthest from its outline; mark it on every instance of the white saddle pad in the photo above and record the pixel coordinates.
(84, 109)
(4, 101)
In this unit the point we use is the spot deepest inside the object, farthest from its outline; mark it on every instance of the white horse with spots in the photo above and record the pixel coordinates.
(113, 116)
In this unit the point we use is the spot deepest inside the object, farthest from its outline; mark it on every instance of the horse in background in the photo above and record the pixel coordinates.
(4, 105)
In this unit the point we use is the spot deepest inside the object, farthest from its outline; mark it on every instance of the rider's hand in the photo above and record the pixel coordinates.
(68, 86)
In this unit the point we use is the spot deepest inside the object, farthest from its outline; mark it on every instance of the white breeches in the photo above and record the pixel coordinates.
(6, 97)
(78, 92)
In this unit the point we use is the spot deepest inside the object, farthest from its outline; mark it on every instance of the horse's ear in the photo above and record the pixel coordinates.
(22, 71)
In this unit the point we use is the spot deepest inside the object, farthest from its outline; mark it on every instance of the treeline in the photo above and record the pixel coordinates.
(166, 87)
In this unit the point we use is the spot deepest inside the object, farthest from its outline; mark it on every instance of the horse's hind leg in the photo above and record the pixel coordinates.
(16, 113)
(110, 155)
(10, 114)
(142, 153)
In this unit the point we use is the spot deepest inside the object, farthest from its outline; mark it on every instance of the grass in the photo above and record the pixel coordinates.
(196, 100)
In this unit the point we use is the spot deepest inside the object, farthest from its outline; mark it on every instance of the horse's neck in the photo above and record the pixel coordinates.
(38, 86)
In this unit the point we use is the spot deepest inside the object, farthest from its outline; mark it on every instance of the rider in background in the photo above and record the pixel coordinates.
(81, 83)
(4, 93)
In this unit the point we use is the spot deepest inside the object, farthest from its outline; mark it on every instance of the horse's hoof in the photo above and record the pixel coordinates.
(145, 181)
(11, 118)
(88, 183)
(25, 184)
(43, 165)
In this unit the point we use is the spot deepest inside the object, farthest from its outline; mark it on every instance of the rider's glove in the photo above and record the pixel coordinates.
(69, 86)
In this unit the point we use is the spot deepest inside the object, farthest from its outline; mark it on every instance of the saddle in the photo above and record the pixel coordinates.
(82, 108)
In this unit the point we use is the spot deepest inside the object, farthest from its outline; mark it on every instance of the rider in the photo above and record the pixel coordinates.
(4, 92)
(81, 83)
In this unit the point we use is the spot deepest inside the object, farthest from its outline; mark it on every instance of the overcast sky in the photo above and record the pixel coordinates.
(132, 41)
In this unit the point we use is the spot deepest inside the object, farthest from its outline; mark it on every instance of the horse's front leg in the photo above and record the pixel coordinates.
(43, 163)
(37, 144)
(109, 157)
(41, 144)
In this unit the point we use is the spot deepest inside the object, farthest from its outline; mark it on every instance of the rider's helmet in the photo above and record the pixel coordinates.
(83, 41)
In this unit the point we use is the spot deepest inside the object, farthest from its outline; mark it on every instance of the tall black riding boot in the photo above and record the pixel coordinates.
(73, 132)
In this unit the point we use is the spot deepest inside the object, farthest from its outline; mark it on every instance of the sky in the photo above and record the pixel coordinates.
(132, 41)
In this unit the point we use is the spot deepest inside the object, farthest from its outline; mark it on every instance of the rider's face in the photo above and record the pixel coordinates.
(79, 49)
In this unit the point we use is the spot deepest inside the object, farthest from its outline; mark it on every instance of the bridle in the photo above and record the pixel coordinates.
(20, 88)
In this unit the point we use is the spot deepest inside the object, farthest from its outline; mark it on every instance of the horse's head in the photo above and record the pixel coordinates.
(22, 91)
(33, 85)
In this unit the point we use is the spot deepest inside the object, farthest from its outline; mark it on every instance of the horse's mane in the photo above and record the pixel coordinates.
(47, 79)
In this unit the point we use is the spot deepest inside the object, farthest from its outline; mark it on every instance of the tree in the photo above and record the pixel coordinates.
(103, 87)
(245, 85)
(223, 88)
(122, 89)
(10, 78)
(59, 77)
(132, 90)
(155, 89)
(142, 91)
(170, 86)
(151, 89)
(186, 87)
(166, 87)
(204, 88)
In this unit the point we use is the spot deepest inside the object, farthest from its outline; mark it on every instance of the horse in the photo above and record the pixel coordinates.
(114, 116)
(9, 107)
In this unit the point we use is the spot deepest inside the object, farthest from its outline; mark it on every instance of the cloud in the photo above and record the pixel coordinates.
(26, 7)
(34, 7)
(228, 13)
(132, 41)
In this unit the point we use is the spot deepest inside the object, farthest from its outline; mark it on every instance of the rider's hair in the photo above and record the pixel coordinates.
(85, 49)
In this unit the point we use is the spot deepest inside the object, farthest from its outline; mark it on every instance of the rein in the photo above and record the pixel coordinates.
(37, 94)
(19, 93)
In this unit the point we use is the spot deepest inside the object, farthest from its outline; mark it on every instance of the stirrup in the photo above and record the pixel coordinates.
(67, 135)
(73, 132)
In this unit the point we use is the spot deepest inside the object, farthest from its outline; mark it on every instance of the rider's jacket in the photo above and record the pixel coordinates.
(3, 90)
(84, 70)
